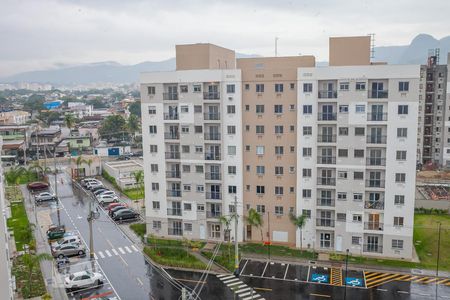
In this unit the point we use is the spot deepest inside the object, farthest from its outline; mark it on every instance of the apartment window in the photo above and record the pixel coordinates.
(260, 170)
(261, 209)
(232, 189)
(231, 129)
(344, 86)
(155, 186)
(278, 87)
(306, 213)
(306, 173)
(292, 107)
(184, 129)
(356, 240)
(259, 129)
(292, 128)
(186, 169)
(307, 152)
(185, 149)
(200, 207)
(259, 150)
(279, 210)
(292, 149)
(342, 152)
(156, 205)
(151, 90)
(247, 107)
(260, 189)
(260, 88)
(187, 206)
(154, 168)
(342, 196)
(198, 109)
(184, 109)
(187, 226)
(153, 148)
(398, 221)
(403, 109)
(152, 110)
(231, 109)
(292, 86)
(231, 150)
(307, 87)
(360, 86)
(397, 244)
(291, 189)
(342, 174)
(183, 88)
(400, 177)
(230, 88)
(358, 153)
(278, 108)
(341, 217)
(247, 86)
(343, 109)
(399, 199)
(247, 147)
(279, 190)
(278, 129)
(279, 150)
(307, 109)
(198, 129)
(359, 131)
(279, 170)
(152, 129)
(360, 108)
(247, 128)
(357, 197)
(403, 86)
(198, 169)
(197, 88)
(402, 132)
(232, 170)
(357, 218)
(401, 155)
(306, 193)
(307, 130)
(231, 209)
(156, 225)
(200, 189)
(343, 130)
(358, 175)
(259, 108)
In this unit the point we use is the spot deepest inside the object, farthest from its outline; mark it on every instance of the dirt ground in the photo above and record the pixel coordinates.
(434, 175)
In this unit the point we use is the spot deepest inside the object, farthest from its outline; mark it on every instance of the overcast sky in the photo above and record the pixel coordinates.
(41, 34)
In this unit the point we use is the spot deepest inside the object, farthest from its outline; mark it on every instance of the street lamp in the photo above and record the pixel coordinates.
(345, 277)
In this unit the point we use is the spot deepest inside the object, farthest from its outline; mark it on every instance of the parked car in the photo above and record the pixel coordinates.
(117, 208)
(124, 214)
(106, 193)
(45, 196)
(37, 186)
(69, 250)
(85, 181)
(107, 199)
(92, 185)
(73, 239)
(56, 232)
(70, 233)
(112, 205)
(82, 279)
(99, 191)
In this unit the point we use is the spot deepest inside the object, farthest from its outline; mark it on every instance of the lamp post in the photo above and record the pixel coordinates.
(345, 277)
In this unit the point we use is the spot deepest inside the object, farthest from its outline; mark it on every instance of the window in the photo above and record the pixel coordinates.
(152, 110)
(259, 108)
(185, 149)
(403, 86)
(342, 196)
(279, 190)
(306, 213)
(261, 208)
(357, 218)
(307, 87)
(198, 149)
(187, 226)
(197, 88)
(186, 168)
(152, 129)
(187, 206)
(356, 240)
(155, 204)
(292, 149)
(403, 109)
(401, 155)
(232, 170)
(278, 87)
(153, 148)
(278, 108)
(343, 130)
(292, 107)
(200, 207)
(184, 129)
(247, 128)
(359, 131)
(292, 86)
(307, 109)
(232, 189)
(279, 170)
(186, 187)
(231, 109)
(342, 152)
(151, 90)
(307, 130)
(157, 225)
(260, 170)
(259, 150)
(198, 109)
(307, 152)
(260, 189)
(198, 169)
(343, 109)
(230, 88)
(154, 168)
(231, 209)
(279, 150)
(400, 177)
(358, 175)
(259, 129)
(247, 107)
(399, 199)
(397, 244)
(306, 193)
(344, 86)
(342, 174)
(402, 132)
(306, 173)
(200, 189)
(184, 108)
(198, 129)
(183, 88)
(360, 108)
(278, 129)
(360, 86)
(231, 129)
(155, 186)
(358, 153)
(291, 189)
(292, 128)
(260, 88)
(231, 150)
(247, 86)
(247, 147)
(398, 221)
(279, 210)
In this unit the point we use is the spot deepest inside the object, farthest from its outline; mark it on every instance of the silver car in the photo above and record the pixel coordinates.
(69, 250)
(45, 196)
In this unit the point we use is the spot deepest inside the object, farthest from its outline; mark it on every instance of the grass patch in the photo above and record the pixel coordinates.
(134, 194)
(111, 179)
(140, 229)
(276, 250)
(20, 225)
(28, 177)
(375, 261)
(152, 241)
(222, 258)
(13, 193)
(20, 272)
(174, 257)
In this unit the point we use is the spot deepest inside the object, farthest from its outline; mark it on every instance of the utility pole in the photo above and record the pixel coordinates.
(236, 245)
(438, 254)
(56, 190)
(91, 217)
(345, 277)
(268, 235)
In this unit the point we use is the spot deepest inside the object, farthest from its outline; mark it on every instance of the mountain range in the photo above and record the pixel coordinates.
(414, 53)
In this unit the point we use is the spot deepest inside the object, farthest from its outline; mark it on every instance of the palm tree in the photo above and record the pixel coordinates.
(133, 125)
(299, 222)
(255, 219)
(226, 221)
(89, 163)
(12, 177)
(79, 161)
(36, 169)
(32, 262)
(69, 120)
(139, 178)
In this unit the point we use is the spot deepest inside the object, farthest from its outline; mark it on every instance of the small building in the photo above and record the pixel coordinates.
(123, 171)
(79, 109)
(14, 117)
(53, 104)
(104, 149)
(75, 145)
(89, 165)
(45, 139)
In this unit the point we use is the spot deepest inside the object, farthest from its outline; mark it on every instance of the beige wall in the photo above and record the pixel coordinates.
(349, 51)
(204, 56)
(274, 70)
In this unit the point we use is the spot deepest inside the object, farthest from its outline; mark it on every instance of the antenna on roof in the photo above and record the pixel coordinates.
(276, 46)
(372, 45)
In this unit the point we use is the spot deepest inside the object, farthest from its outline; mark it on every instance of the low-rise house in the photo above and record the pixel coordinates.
(45, 139)
(79, 109)
(123, 171)
(104, 149)
(75, 145)
(16, 139)
(14, 117)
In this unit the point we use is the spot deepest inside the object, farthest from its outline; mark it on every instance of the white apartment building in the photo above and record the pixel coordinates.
(356, 143)
(192, 143)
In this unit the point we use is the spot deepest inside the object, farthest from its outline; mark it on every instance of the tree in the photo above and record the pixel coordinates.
(139, 178)
(32, 262)
(69, 120)
(255, 219)
(98, 103)
(36, 169)
(113, 126)
(47, 117)
(12, 177)
(226, 221)
(133, 125)
(135, 108)
(79, 161)
(34, 102)
(299, 222)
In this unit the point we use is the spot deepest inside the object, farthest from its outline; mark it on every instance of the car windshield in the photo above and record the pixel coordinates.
(71, 277)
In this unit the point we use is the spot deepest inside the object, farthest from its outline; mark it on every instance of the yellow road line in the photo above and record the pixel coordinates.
(412, 278)
(372, 275)
(320, 295)
(393, 279)
(262, 289)
(421, 279)
(382, 280)
(431, 280)
(442, 281)
(380, 276)
(447, 284)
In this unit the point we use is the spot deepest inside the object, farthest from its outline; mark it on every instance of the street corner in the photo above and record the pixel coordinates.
(319, 274)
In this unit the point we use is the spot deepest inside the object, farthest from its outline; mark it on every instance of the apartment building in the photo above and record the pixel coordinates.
(192, 143)
(446, 150)
(269, 110)
(357, 131)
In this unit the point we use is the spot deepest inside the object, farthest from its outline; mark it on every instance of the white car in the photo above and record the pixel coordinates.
(93, 184)
(83, 279)
(72, 239)
(107, 199)
(85, 181)
(106, 193)
(45, 196)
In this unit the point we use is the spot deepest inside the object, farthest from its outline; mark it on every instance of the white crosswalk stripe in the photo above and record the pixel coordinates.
(121, 250)
(108, 253)
(134, 248)
(234, 283)
(222, 275)
(101, 254)
(128, 249)
(253, 297)
(230, 280)
(115, 252)
(243, 290)
(227, 277)
(95, 256)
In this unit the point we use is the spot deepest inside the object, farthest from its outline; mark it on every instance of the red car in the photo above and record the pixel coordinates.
(37, 186)
(112, 205)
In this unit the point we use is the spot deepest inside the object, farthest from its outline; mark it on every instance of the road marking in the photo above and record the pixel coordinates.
(134, 248)
(246, 261)
(115, 251)
(128, 249)
(382, 290)
(243, 290)
(442, 281)
(242, 286)
(372, 284)
(123, 260)
(307, 278)
(264, 269)
(108, 253)
(227, 277)
(431, 280)
(320, 295)
(262, 289)
(252, 297)
(222, 275)
(95, 256)
(110, 244)
(234, 283)
(421, 279)
(246, 294)
(139, 280)
(121, 250)
(411, 278)
(101, 254)
(285, 272)
(403, 292)
(230, 280)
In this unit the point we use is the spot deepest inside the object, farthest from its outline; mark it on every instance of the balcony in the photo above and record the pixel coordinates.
(170, 96)
(374, 204)
(212, 156)
(172, 155)
(213, 214)
(372, 116)
(173, 174)
(175, 231)
(377, 94)
(327, 94)
(171, 135)
(325, 202)
(211, 116)
(211, 95)
(326, 181)
(326, 138)
(326, 160)
(324, 222)
(171, 116)
(375, 183)
(174, 212)
(173, 193)
(376, 139)
(326, 116)
(214, 195)
(212, 136)
(373, 248)
(375, 161)
(373, 226)
(213, 176)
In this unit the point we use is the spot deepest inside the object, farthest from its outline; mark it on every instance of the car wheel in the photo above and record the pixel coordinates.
(98, 283)
(80, 253)
(61, 256)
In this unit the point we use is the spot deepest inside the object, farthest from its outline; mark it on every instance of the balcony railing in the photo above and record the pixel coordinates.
(375, 183)
(174, 212)
(214, 195)
(374, 205)
(173, 174)
(173, 193)
(326, 138)
(326, 181)
(170, 96)
(211, 116)
(213, 214)
(171, 135)
(325, 202)
(172, 155)
(372, 116)
(175, 231)
(212, 156)
(375, 161)
(327, 94)
(327, 160)
(211, 95)
(373, 226)
(373, 248)
(171, 116)
(326, 116)
(212, 136)
(378, 94)
(376, 139)
(213, 176)
(324, 222)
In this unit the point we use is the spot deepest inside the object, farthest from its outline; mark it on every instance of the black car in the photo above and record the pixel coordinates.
(116, 209)
(124, 214)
